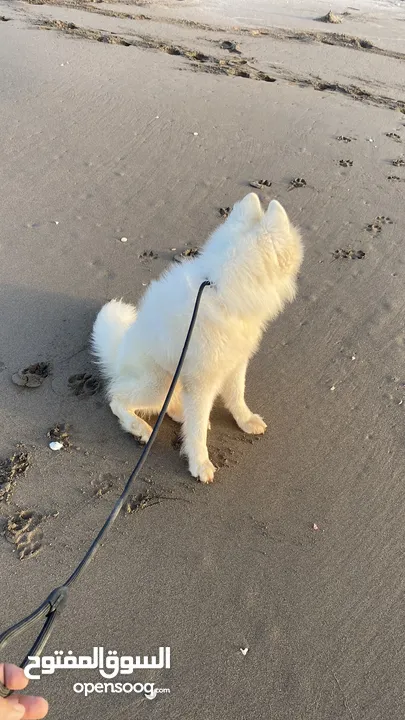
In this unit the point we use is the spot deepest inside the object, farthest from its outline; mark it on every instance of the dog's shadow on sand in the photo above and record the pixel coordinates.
(51, 327)
(43, 325)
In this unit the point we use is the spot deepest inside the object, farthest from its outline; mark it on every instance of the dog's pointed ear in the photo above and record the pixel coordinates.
(276, 217)
(248, 211)
(285, 239)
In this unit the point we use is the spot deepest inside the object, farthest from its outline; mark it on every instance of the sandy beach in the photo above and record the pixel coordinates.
(279, 589)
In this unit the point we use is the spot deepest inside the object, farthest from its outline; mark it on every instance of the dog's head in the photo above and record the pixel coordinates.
(257, 254)
(271, 233)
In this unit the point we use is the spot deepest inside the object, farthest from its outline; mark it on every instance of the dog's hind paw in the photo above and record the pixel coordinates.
(254, 426)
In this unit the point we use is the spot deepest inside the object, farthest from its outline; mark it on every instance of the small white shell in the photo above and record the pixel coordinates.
(124, 239)
(55, 445)
(244, 651)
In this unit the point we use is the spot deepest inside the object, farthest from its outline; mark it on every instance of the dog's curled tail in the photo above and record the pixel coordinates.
(111, 323)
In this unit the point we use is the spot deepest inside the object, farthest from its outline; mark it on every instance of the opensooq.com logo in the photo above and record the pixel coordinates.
(109, 664)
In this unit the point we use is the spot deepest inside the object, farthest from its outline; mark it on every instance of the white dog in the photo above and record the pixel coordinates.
(252, 260)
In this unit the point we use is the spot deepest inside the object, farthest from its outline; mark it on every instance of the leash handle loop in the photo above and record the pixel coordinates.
(48, 611)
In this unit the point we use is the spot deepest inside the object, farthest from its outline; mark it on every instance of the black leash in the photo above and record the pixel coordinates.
(56, 601)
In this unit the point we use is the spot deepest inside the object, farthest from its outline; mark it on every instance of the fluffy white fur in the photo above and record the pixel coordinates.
(252, 260)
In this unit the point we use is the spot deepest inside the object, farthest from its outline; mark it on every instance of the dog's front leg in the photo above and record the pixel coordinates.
(197, 405)
(233, 395)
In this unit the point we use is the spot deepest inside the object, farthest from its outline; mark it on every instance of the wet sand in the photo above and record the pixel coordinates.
(99, 114)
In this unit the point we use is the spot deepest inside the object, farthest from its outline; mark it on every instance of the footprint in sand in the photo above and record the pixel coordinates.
(148, 255)
(10, 469)
(187, 254)
(104, 484)
(342, 254)
(376, 226)
(32, 376)
(384, 220)
(85, 384)
(23, 531)
(259, 184)
(143, 500)
(297, 183)
(222, 458)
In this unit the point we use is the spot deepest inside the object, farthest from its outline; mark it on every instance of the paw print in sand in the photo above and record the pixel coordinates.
(85, 384)
(376, 226)
(297, 183)
(23, 531)
(32, 376)
(148, 255)
(10, 469)
(342, 254)
(259, 184)
(187, 254)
